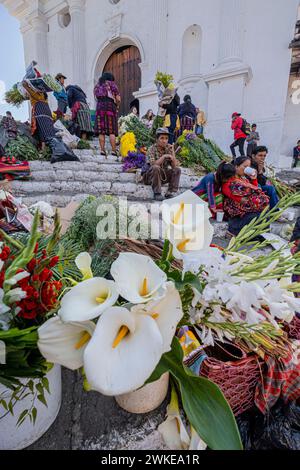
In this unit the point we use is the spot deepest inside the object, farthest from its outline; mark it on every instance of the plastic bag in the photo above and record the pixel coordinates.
(69, 139)
(60, 152)
(278, 430)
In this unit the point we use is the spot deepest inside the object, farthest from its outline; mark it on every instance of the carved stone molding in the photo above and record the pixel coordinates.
(114, 27)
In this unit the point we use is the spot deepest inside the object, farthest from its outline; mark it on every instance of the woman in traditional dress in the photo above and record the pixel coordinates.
(81, 113)
(244, 200)
(108, 100)
(210, 187)
(188, 114)
(41, 116)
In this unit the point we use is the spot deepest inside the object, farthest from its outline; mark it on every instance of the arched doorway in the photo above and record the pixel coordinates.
(124, 65)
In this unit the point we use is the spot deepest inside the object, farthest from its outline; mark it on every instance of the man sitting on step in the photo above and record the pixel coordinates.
(162, 166)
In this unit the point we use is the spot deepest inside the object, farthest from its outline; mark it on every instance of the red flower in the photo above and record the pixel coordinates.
(32, 265)
(54, 261)
(4, 255)
(45, 275)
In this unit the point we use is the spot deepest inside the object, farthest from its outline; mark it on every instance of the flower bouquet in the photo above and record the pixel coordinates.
(32, 270)
(134, 161)
(14, 97)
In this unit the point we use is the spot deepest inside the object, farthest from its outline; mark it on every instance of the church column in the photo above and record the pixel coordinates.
(34, 29)
(160, 38)
(77, 9)
(231, 40)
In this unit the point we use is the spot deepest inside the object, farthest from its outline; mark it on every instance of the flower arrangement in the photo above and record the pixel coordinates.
(142, 133)
(134, 161)
(128, 144)
(32, 269)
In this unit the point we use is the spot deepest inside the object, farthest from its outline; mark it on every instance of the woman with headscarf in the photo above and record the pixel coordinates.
(188, 114)
(244, 199)
(108, 100)
(81, 113)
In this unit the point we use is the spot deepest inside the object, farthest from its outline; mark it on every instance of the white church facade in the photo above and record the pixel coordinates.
(230, 55)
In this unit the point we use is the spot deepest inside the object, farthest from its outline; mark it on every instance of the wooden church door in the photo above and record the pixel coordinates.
(124, 65)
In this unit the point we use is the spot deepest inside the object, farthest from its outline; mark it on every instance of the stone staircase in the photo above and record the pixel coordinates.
(61, 183)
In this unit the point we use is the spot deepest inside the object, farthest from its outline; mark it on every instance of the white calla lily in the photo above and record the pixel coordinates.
(124, 351)
(138, 279)
(186, 220)
(187, 210)
(64, 343)
(84, 263)
(166, 311)
(173, 430)
(88, 300)
(190, 244)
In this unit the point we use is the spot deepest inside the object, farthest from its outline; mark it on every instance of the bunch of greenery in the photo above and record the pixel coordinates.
(196, 151)
(22, 149)
(14, 97)
(83, 145)
(164, 78)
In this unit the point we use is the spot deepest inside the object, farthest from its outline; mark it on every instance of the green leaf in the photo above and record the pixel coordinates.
(45, 382)
(34, 414)
(42, 399)
(4, 404)
(203, 402)
(22, 417)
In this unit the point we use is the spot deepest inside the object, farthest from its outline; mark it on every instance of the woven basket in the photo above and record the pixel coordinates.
(235, 373)
(294, 328)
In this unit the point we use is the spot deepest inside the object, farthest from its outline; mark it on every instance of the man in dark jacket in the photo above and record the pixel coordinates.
(172, 111)
(296, 161)
(259, 164)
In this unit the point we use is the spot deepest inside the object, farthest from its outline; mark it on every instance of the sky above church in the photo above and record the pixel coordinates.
(12, 65)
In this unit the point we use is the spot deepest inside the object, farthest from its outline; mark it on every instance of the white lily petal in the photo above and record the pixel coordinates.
(191, 243)
(126, 367)
(186, 210)
(173, 430)
(59, 342)
(130, 271)
(88, 300)
(196, 441)
(167, 312)
(84, 263)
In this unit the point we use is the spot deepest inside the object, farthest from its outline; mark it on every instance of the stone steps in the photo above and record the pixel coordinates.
(94, 175)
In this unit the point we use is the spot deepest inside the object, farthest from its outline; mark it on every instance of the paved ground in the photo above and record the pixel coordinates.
(90, 421)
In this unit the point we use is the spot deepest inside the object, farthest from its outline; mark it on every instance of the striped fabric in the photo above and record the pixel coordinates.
(83, 118)
(281, 379)
(44, 121)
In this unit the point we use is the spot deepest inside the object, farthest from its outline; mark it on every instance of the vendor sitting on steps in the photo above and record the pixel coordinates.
(162, 166)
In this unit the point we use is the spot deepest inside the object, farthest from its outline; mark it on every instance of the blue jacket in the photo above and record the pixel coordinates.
(61, 96)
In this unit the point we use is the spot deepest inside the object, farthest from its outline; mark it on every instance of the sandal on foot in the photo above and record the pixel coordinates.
(103, 154)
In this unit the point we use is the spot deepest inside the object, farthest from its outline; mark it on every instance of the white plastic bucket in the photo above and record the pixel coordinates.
(13, 437)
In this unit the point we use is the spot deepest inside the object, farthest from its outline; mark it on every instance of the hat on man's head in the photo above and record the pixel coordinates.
(236, 115)
(162, 131)
(59, 76)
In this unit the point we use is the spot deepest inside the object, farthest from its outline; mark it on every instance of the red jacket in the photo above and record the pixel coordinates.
(236, 126)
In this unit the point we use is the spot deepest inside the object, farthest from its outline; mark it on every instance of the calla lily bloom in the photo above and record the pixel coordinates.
(123, 352)
(84, 263)
(138, 279)
(166, 311)
(127, 345)
(88, 300)
(173, 430)
(187, 211)
(190, 244)
(64, 343)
